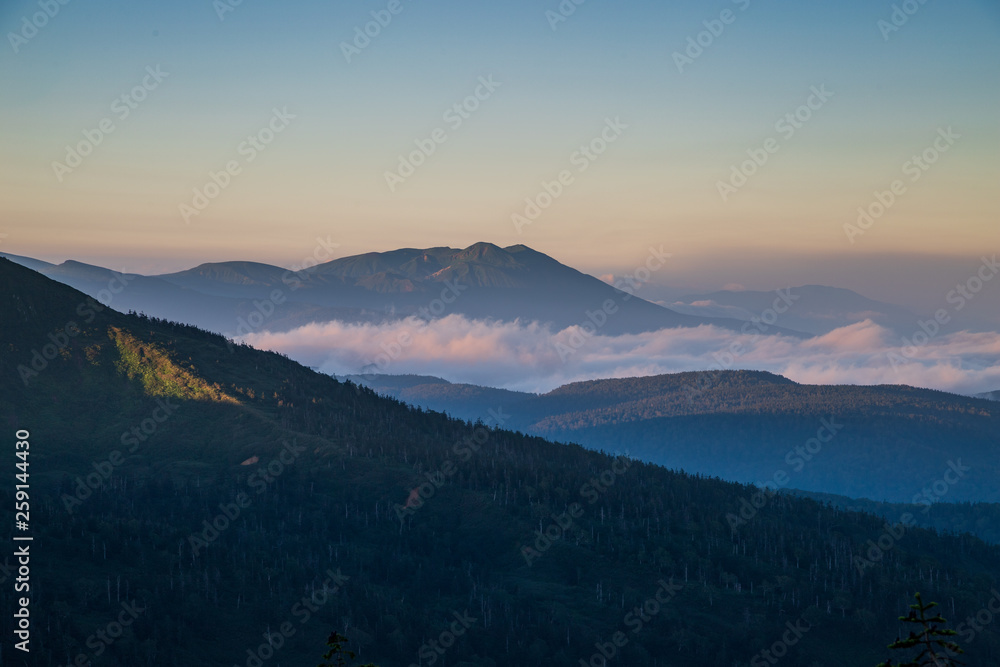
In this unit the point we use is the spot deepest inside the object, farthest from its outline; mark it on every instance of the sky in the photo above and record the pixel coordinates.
(634, 123)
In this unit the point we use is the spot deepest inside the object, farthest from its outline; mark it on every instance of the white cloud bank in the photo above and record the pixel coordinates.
(531, 357)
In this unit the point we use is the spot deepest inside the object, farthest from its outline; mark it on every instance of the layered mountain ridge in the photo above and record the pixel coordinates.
(747, 425)
(257, 483)
(482, 281)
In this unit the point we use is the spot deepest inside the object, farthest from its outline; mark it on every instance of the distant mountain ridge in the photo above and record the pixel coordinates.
(482, 281)
(747, 425)
(818, 310)
(464, 401)
(979, 519)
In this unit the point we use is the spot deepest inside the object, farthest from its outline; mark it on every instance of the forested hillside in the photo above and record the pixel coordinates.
(886, 442)
(979, 519)
(223, 495)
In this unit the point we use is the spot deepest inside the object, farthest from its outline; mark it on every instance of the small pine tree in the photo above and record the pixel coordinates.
(931, 640)
(337, 651)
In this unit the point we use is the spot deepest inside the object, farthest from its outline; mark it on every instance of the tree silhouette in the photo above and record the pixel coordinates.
(337, 656)
(932, 634)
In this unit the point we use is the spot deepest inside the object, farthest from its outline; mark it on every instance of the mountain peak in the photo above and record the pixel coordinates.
(236, 273)
(487, 253)
(510, 284)
(671, 382)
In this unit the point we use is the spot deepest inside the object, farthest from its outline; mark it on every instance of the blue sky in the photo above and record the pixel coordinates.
(325, 174)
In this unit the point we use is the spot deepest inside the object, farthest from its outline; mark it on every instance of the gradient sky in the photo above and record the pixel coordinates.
(323, 176)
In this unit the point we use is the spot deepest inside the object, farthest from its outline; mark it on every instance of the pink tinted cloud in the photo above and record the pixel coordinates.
(532, 357)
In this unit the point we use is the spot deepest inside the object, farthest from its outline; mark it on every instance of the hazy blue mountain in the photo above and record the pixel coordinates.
(33, 264)
(228, 278)
(990, 395)
(749, 426)
(818, 310)
(979, 519)
(464, 401)
(482, 281)
(220, 310)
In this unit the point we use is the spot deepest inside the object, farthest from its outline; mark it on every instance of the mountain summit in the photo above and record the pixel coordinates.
(482, 281)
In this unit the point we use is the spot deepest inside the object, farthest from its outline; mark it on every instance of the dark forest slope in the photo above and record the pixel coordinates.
(305, 477)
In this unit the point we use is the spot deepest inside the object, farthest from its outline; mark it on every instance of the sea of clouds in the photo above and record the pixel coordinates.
(532, 357)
